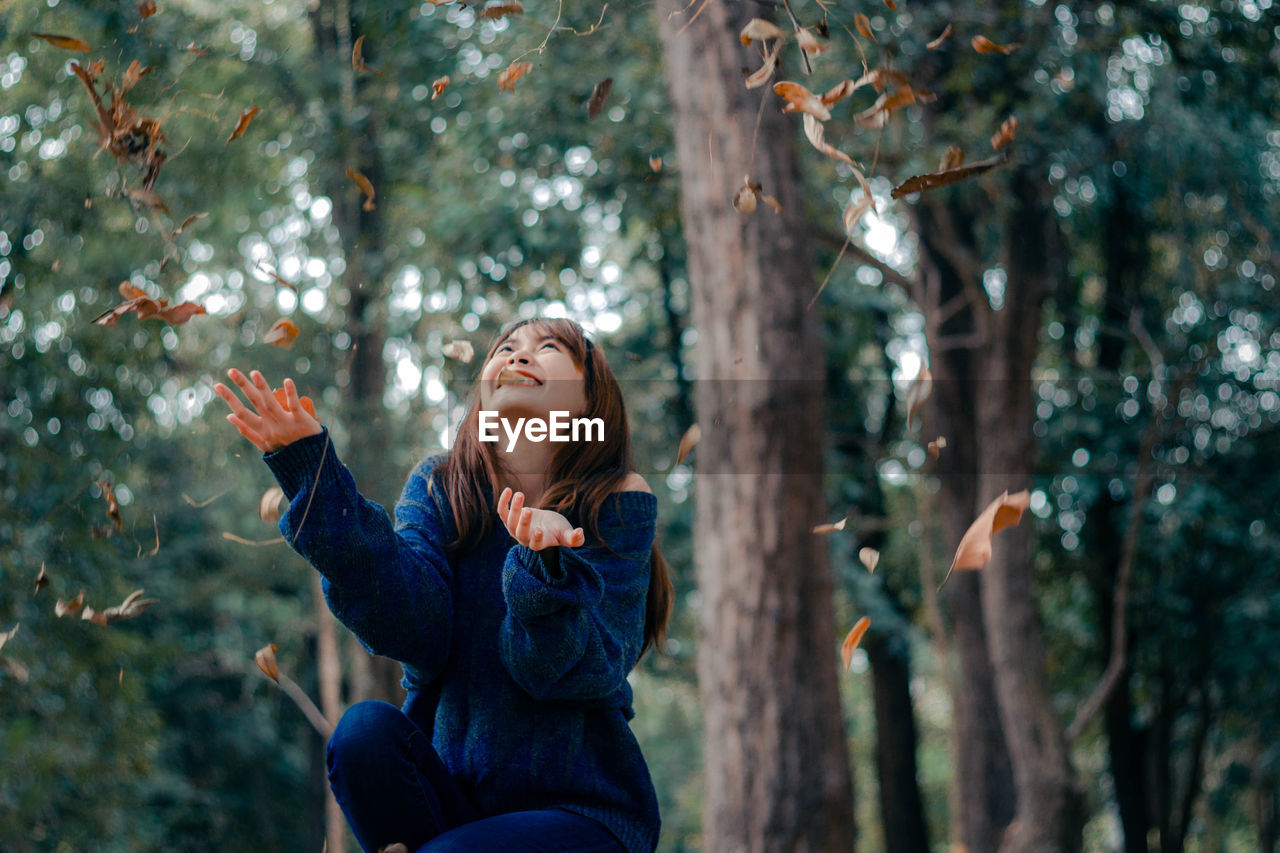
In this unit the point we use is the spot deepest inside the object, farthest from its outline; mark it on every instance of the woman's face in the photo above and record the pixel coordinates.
(532, 374)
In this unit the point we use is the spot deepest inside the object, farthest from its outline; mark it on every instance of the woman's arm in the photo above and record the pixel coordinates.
(575, 616)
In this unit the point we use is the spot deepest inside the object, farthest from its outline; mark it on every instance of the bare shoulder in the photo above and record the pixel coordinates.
(634, 483)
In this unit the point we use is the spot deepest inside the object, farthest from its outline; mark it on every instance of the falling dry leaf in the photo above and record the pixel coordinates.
(128, 609)
(881, 79)
(808, 41)
(878, 113)
(799, 99)
(815, 131)
(358, 64)
(282, 333)
(42, 580)
(513, 72)
(494, 11)
(744, 200)
(132, 75)
(869, 557)
(192, 218)
(762, 74)
(65, 42)
(1008, 130)
(855, 210)
(365, 185)
(147, 308)
(265, 658)
(982, 44)
(892, 6)
(655, 163)
(688, 441)
(952, 158)
(598, 96)
(437, 88)
(282, 397)
(243, 124)
(829, 528)
(974, 551)
(460, 350)
(838, 92)
(6, 636)
(863, 25)
(269, 504)
(113, 506)
(933, 180)
(937, 43)
(936, 446)
(758, 29)
(918, 391)
(773, 203)
(850, 643)
(198, 51)
(147, 8)
(62, 608)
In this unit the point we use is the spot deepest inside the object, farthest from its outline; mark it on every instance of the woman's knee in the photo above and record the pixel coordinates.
(366, 734)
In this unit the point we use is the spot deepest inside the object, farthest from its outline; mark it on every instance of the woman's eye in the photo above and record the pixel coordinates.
(549, 344)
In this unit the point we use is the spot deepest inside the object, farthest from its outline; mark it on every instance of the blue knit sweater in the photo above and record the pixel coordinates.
(516, 665)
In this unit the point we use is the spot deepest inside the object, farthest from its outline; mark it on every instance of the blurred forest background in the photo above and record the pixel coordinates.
(1098, 312)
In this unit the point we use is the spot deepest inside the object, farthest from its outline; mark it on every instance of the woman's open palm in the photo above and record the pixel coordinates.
(275, 420)
(536, 528)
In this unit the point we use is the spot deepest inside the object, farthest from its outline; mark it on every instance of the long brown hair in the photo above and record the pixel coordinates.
(582, 474)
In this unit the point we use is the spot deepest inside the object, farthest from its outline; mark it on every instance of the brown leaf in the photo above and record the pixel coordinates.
(437, 88)
(773, 203)
(854, 211)
(762, 74)
(952, 158)
(146, 197)
(494, 11)
(269, 504)
(282, 333)
(358, 64)
(869, 557)
(243, 124)
(460, 350)
(816, 131)
(147, 8)
(265, 658)
(801, 100)
(655, 163)
(758, 29)
(62, 608)
(132, 75)
(113, 506)
(982, 44)
(838, 92)
(598, 96)
(974, 551)
(365, 185)
(146, 308)
(176, 315)
(829, 528)
(892, 5)
(937, 43)
(850, 643)
(42, 579)
(808, 41)
(65, 42)
(863, 25)
(198, 51)
(688, 441)
(920, 183)
(936, 446)
(192, 218)
(128, 609)
(878, 113)
(881, 79)
(744, 201)
(6, 636)
(513, 72)
(918, 391)
(1008, 130)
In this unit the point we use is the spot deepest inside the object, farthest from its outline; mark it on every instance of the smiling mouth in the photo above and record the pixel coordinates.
(511, 377)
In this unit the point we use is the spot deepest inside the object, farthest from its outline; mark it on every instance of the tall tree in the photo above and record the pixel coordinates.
(776, 767)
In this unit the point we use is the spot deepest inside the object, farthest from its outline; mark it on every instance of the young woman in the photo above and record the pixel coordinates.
(518, 585)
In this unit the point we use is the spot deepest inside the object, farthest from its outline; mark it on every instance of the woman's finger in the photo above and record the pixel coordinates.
(295, 402)
(522, 529)
(537, 539)
(246, 388)
(270, 405)
(230, 397)
(249, 432)
(504, 504)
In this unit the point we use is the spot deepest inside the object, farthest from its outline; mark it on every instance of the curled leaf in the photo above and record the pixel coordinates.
(863, 25)
(801, 100)
(688, 441)
(838, 92)
(869, 557)
(936, 446)
(513, 72)
(829, 528)
(65, 42)
(808, 41)
(192, 218)
(494, 11)
(113, 506)
(655, 163)
(358, 64)
(918, 391)
(952, 158)
(282, 333)
(598, 96)
(243, 124)
(762, 74)
(62, 608)
(933, 180)
(937, 43)
(881, 79)
(744, 200)
(365, 185)
(437, 88)
(269, 504)
(758, 29)
(974, 551)
(460, 350)
(1008, 130)
(132, 75)
(128, 609)
(265, 658)
(851, 641)
(982, 44)
(773, 203)
(42, 579)
(147, 8)
(6, 636)
(815, 131)
(878, 113)
(858, 208)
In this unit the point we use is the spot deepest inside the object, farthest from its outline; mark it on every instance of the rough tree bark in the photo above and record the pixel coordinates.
(776, 763)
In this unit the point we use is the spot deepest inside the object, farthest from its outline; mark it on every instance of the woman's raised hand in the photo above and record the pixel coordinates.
(536, 528)
(271, 423)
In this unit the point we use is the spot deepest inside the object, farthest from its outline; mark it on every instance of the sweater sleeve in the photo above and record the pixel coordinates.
(575, 625)
(390, 583)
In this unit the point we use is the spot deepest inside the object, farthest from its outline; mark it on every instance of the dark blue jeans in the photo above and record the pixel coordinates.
(393, 787)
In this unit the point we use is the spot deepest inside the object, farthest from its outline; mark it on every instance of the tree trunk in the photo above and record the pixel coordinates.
(776, 761)
(901, 809)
